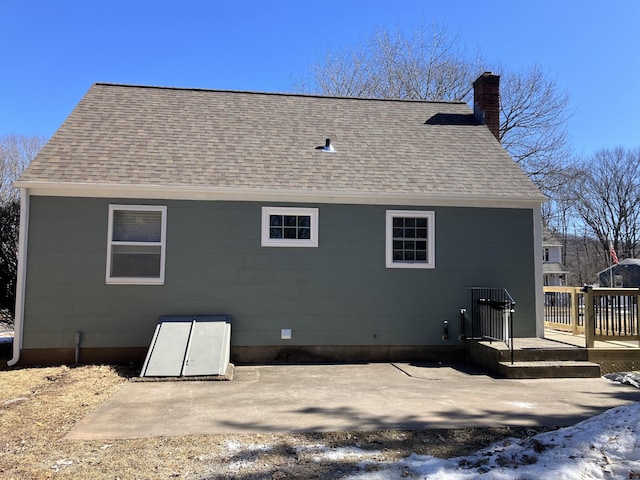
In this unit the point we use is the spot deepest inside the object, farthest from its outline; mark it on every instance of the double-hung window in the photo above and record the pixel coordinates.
(136, 244)
(410, 239)
(289, 227)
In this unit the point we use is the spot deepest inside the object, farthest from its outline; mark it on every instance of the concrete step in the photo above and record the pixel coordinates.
(549, 369)
(546, 354)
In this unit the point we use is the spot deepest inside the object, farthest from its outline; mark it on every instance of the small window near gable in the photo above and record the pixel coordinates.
(410, 239)
(136, 244)
(289, 227)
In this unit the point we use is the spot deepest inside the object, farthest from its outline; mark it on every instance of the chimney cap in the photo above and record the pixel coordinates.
(486, 76)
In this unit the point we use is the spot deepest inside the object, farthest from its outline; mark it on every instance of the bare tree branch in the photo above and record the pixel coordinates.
(606, 192)
(428, 65)
(16, 151)
(534, 116)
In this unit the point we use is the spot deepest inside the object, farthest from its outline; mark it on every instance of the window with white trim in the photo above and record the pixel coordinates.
(289, 227)
(136, 244)
(410, 239)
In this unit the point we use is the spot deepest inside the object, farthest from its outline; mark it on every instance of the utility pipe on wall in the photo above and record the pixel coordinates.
(445, 331)
(463, 334)
(77, 357)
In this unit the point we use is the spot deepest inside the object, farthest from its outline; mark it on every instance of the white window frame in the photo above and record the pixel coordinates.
(162, 244)
(431, 229)
(289, 242)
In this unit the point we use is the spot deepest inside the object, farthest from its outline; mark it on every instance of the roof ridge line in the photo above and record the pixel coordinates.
(282, 94)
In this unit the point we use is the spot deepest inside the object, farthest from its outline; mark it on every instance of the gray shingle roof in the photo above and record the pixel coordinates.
(624, 262)
(549, 239)
(170, 137)
(554, 268)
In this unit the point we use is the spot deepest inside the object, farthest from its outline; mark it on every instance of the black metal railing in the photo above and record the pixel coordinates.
(492, 315)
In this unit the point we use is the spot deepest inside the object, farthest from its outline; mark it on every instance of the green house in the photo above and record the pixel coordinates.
(328, 229)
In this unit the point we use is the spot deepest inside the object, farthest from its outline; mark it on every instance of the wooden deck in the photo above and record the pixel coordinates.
(558, 339)
(602, 314)
(579, 340)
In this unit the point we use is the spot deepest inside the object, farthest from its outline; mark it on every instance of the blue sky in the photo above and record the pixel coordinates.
(52, 51)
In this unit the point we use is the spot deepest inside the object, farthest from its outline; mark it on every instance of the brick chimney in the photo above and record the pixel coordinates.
(486, 101)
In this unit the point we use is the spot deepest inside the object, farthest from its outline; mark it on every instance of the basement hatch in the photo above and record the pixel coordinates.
(189, 346)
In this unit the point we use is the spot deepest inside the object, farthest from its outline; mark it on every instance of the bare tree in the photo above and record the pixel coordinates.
(606, 192)
(583, 256)
(16, 151)
(533, 119)
(432, 64)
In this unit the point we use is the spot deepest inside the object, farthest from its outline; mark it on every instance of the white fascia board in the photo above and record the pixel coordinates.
(274, 195)
(553, 268)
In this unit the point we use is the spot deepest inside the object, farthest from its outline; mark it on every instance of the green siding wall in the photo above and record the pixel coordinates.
(337, 294)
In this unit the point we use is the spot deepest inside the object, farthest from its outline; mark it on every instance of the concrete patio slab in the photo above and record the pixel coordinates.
(305, 398)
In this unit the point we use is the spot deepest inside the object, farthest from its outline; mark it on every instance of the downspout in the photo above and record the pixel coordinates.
(537, 261)
(22, 277)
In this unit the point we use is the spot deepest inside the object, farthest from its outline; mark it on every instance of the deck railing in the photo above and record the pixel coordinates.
(602, 314)
(611, 314)
(492, 315)
(563, 309)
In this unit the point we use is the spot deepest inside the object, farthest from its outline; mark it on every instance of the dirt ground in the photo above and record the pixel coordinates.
(38, 406)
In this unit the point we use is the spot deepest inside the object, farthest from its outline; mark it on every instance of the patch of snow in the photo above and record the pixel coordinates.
(341, 453)
(234, 446)
(240, 465)
(245, 454)
(348, 453)
(311, 448)
(628, 378)
(603, 447)
(61, 465)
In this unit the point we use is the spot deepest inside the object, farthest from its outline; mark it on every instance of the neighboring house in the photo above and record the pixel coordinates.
(164, 201)
(554, 271)
(624, 274)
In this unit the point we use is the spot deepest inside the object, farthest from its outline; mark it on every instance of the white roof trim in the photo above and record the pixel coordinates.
(554, 272)
(271, 195)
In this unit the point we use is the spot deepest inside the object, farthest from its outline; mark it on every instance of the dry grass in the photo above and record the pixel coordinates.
(38, 406)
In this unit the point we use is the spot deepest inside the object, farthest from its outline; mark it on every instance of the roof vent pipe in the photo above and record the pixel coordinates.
(328, 147)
